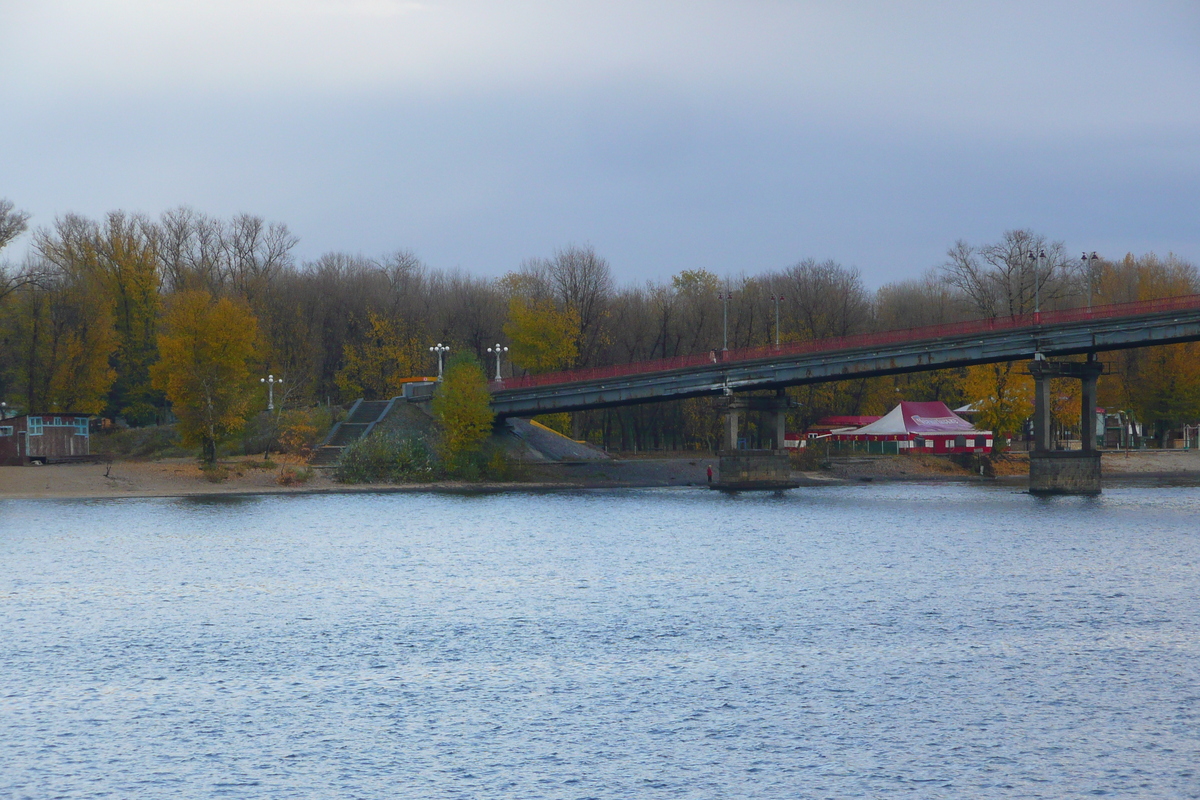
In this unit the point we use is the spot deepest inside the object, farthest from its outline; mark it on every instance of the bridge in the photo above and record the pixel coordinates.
(1052, 334)
(733, 373)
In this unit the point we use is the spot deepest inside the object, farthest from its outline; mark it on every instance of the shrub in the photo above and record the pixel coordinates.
(387, 458)
(301, 428)
(291, 476)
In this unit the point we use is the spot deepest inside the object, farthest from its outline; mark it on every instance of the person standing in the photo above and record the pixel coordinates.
(710, 473)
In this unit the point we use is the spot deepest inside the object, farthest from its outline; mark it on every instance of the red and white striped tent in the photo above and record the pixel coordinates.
(923, 428)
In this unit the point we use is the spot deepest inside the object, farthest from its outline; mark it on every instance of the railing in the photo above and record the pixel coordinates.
(857, 341)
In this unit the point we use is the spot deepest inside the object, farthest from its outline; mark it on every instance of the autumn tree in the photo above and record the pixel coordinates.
(1002, 394)
(377, 365)
(206, 348)
(120, 259)
(462, 404)
(542, 336)
(63, 342)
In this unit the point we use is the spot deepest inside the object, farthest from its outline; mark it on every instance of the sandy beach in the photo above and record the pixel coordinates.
(180, 477)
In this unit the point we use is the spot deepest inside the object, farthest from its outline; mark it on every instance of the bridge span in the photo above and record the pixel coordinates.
(1055, 333)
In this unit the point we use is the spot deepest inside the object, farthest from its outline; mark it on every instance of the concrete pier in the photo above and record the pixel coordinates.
(1064, 471)
(754, 470)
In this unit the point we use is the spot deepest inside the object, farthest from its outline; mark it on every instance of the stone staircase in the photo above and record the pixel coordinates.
(363, 416)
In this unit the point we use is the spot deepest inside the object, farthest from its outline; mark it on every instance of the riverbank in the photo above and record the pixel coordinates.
(182, 477)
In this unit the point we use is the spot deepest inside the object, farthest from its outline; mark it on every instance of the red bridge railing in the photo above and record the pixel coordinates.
(927, 332)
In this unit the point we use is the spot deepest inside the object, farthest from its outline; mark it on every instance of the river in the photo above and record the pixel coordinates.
(855, 641)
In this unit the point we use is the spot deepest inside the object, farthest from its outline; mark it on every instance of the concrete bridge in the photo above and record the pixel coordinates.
(1040, 337)
(1052, 334)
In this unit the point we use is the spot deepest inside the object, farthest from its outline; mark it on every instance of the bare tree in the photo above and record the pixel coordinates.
(12, 224)
(1020, 273)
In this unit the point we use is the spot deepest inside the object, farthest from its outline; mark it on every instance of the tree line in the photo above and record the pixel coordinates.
(108, 317)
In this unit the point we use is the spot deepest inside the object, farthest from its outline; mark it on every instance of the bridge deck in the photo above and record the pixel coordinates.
(1055, 333)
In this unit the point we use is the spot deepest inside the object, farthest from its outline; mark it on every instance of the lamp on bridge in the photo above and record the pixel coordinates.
(775, 299)
(498, 350)
(725, 297)
(1091, 270)
(440, 349)
(1037, 259)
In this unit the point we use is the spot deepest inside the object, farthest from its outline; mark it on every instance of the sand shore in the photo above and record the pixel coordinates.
(181, 477)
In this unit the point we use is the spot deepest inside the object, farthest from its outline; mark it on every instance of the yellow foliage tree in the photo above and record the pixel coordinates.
(377, 366)
(65, 341)
(543, 338)
(462, 404)
(1003, 394)
(205, 350)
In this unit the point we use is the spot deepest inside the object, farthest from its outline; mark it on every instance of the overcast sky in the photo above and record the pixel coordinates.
(733, 136)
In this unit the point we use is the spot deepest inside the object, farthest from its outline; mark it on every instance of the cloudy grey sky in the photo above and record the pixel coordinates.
(734, 136)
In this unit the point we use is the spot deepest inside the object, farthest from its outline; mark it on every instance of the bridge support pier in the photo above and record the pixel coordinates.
(749, 470)
(1064, 471)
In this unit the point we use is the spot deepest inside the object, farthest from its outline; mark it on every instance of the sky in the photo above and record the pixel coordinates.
(730, 136)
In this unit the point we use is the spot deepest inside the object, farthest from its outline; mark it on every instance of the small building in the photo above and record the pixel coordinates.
(826, 426)
(920, 428)
(44, 439)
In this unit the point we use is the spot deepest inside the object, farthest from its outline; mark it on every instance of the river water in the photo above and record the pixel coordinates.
(856, 641)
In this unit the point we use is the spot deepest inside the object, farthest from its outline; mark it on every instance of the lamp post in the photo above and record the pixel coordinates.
(498, 350)
(725, 297)
(3, 410)
(440, 349)
(775, 299)
(1091, 271)
(270, 381)
(1037, 259)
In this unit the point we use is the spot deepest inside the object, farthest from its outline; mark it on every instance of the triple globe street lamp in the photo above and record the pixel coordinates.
(270, 381)
(498, 350)
(441, 350)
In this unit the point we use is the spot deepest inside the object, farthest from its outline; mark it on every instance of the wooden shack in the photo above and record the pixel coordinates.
(44, 439)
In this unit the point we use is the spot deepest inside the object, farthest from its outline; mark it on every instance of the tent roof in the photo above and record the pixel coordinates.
(906, 418)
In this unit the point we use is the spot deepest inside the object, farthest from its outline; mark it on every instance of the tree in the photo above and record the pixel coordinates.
(543, 337)
(377, 366)
(63, 342)
(462, 404)
(1001, 279)
(204, 367)
(12, 224)
(1003, 395)
(119, 259)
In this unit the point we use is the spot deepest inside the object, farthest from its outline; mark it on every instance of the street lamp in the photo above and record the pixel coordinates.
(3, 410)
(270, 381)
(1091, 270)
(725, 297)
(776, 300)
(440, 349)
(1037, 259)
(498, 350)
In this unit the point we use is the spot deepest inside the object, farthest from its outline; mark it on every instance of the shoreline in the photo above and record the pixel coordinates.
(181, 477)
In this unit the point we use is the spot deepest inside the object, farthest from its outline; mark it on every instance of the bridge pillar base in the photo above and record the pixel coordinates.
(1064, 472)
(754, 470)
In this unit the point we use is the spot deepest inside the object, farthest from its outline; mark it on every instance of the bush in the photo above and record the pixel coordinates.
(300, 429)
(387, 458)
(395, 458)
(291, 476)
(155, 441)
